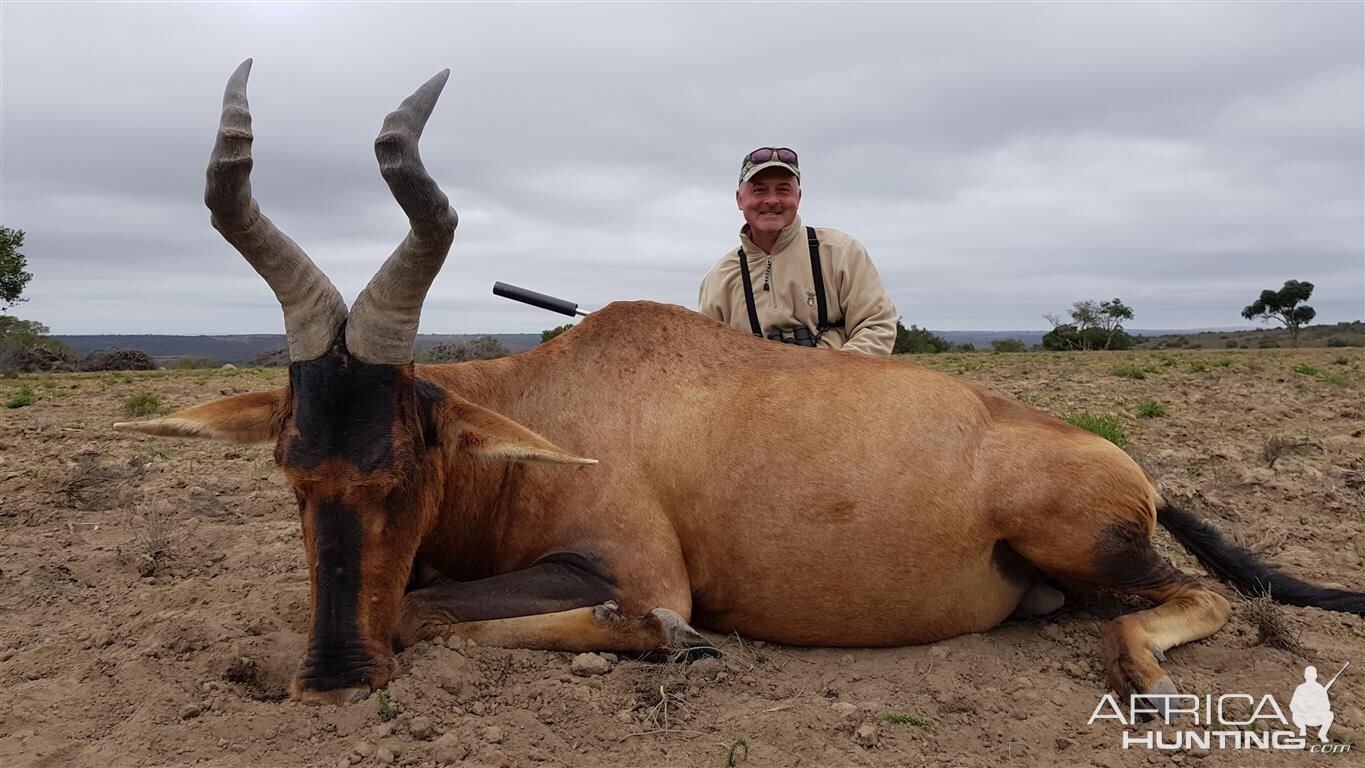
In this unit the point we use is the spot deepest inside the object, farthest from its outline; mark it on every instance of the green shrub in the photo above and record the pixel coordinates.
(905, 718)
(1338, 342)
(1268, 344)
(1306, 370)
(1198, 366)
(1008, 345)
(1221, 362)
(1130, 372)
(550, 333)
(142, 404)
(1151, 409)
(1106, 426)
(1339, 378)
(1232, 344)
(968, 347)
(22, 398)
(917, 341)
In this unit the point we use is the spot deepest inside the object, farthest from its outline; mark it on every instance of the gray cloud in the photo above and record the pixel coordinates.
(998, 161)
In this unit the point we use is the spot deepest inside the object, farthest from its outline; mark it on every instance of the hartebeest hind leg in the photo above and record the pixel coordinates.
(1096, 550)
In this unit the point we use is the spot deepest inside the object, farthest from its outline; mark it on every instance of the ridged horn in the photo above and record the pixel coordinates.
(313, 309)
(383, 323)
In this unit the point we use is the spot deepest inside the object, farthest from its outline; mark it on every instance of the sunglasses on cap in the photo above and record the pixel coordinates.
(767, 154)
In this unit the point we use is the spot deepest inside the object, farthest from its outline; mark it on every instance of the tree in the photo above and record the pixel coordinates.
(553, 332)
(13, 278)
(916, 340)
(1007, 345)
(1284, 305)
(1094, 325)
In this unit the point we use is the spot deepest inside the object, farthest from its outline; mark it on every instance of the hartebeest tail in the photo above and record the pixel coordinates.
(1241, 568)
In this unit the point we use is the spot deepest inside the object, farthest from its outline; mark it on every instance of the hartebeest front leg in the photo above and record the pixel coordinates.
(562, 604)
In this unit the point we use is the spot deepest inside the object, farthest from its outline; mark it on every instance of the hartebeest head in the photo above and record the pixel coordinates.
(364, 447)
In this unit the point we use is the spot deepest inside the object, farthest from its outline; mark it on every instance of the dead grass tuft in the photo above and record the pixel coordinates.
(1272, 624)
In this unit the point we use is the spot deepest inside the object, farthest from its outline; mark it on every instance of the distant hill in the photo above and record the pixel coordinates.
(243, 349)
(240, 350)
(1338, 335)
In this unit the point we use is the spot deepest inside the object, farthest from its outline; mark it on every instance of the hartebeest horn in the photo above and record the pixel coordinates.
(383, 324)
(313, 309)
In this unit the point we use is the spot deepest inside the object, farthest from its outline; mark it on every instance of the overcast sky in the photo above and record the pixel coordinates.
(998, 161)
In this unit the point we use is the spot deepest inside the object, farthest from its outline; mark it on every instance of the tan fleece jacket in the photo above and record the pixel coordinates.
(853, 290)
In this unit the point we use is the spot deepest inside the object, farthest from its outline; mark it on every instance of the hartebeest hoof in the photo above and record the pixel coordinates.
(1158, 697)
(682, 637)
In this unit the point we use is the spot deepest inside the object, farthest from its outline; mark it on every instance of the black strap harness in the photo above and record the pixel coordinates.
(817, 274)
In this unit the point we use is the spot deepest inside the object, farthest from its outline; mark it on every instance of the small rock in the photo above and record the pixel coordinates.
(1076, 670)
(383, 730)
(612, 658)
(190, 711)
(589, 664)
(1064, 743)
(364, 749)
(384, 755)
(846, 659)
(420, 728)
(843, 708)
(478, 708)
(344, 762)
(493, 734)
(495, 759)
(146, 566)
(938, 652)
(1199, 753)
(625, 717)
(704, 667)
(866, 735)
(1052, 632)
(449, 749)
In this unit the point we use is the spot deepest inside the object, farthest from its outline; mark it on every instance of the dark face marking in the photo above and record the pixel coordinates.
(343, 408)
(336, 656)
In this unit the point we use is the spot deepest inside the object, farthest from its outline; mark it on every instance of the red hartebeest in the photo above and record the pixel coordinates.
(735, 483)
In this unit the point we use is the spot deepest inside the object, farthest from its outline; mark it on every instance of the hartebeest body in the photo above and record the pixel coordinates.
(747, 486)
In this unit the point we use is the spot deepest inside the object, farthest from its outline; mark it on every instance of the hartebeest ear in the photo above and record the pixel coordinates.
(465, 426)
(255, 417)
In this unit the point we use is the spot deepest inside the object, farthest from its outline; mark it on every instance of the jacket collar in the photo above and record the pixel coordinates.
(784, 238)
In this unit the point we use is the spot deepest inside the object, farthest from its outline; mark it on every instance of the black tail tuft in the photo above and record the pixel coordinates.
(1242, 569)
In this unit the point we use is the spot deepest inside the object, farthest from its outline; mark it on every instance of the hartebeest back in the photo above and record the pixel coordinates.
(743, 485)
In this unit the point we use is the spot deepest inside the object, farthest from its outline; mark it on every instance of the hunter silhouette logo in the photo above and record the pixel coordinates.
(1229, 720)
(1310, 705)
(810, 298)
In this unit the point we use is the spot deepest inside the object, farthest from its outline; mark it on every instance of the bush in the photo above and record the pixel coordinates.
(1232, 344)
(917, 341)
(191, 363)
(22, 398)
(275, 358)
(483, 348)
(117, 360)
(1306, 370)
(1130, 372)
(1007, 345)
(1336, 341)
(1106, 426)
(968, 347)
(142, 404)
(1151, 409)
(1198, 366)
(1268, 344)
(553, 332)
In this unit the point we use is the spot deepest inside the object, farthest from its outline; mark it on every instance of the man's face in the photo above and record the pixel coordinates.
(769, 200)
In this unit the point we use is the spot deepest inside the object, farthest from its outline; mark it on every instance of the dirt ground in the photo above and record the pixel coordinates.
(155, 601)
